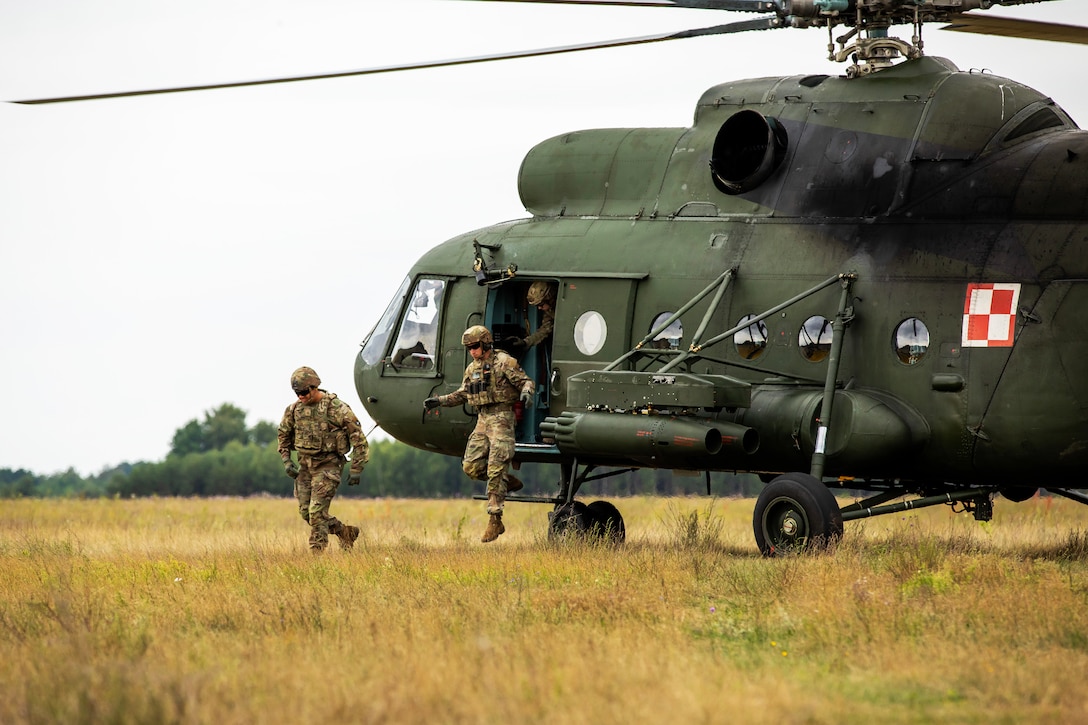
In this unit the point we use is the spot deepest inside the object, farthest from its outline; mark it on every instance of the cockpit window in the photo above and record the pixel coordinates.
(417, 341)
(374, 345)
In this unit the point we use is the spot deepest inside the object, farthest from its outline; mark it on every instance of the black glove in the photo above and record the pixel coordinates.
(527, 398)
(431, 403)
(514, 345)
(291, 469)
(353, 477)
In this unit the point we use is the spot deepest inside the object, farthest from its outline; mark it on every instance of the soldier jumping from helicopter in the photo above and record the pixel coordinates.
(493, 381)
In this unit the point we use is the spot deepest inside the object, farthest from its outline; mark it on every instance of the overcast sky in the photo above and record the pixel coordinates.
(164, 255)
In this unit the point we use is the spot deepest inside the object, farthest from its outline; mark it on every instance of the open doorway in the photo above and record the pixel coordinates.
(520, 315)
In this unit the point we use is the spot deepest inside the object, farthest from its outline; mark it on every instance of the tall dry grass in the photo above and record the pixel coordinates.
(202, 611)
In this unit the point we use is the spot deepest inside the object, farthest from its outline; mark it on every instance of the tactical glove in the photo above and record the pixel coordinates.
(291, 468)
(431, 403)
(353, 477)
(514, 345)
(527, 398)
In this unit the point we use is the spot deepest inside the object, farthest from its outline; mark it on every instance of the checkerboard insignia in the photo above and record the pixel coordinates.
(989, 315)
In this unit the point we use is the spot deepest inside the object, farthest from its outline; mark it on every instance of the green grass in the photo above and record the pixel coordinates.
(200, 611)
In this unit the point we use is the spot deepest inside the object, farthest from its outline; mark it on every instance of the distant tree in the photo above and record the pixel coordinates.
(221, 426)
(188, 439)
(224, 425)
(68, 483)
(8, 475)
(263, 433)
(17, 483)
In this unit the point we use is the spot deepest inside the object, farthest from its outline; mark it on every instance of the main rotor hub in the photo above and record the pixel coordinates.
(867, 43)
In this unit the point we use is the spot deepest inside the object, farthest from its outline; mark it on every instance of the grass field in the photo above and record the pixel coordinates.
(213, 611)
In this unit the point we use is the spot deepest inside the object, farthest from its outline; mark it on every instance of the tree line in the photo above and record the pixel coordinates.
(222, 456)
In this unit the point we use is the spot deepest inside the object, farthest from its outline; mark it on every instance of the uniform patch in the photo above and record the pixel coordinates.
(989, 315)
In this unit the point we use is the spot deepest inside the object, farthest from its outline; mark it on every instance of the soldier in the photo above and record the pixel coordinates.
(493, 382)
(542, 296)
(322, 428)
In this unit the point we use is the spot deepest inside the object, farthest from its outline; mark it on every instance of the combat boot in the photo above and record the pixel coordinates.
(347, 535)
(494, 528)
(513, 483)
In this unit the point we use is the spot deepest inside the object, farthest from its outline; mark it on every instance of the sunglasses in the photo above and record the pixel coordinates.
(300, 393)
(475, 346)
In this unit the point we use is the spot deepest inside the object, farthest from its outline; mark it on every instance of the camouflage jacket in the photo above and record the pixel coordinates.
(545, 329)
(495, 379)
(325, 427)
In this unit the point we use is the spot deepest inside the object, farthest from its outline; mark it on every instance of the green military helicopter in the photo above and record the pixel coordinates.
(870, 281)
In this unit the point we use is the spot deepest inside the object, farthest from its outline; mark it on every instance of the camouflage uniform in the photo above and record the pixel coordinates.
(545, 329)
(491, 385)
(541, 295)
(322, 433)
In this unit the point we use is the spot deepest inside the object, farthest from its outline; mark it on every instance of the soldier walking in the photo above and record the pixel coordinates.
(322, 429)
(493, 381)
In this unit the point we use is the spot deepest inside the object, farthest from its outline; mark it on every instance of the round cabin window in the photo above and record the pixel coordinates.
(669, 338)
(814, 339)
(911, 341)
(590, 332)
(752, 340)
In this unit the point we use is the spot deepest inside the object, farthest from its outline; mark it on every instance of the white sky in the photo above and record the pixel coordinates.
(163, 255)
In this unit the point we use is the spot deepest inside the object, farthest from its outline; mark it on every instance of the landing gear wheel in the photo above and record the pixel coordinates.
(568, 520)
(795, 512)
(605, 522)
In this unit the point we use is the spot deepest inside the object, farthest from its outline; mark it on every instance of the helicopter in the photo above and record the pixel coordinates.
(852, 282)
(845, 282)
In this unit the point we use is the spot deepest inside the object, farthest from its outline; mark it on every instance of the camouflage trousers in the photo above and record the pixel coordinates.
(315, 489)
(491, 448)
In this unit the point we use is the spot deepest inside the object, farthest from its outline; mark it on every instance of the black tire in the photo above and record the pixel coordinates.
(796, 512)
(568, 520)
(604, 522)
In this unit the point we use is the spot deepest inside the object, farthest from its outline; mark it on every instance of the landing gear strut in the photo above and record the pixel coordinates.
(599, 519)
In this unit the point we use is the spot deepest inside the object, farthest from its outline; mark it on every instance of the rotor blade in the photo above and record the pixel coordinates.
(741, 6)
(765, 23)
(1014, 28)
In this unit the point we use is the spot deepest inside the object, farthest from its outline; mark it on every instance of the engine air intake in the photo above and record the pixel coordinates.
(748, 148)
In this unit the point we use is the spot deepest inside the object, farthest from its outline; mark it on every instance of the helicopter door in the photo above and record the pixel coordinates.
(592, 328)
(593, 319)
(513, 320)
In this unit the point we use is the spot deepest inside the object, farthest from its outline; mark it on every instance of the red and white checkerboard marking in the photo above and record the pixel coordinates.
(989, 315)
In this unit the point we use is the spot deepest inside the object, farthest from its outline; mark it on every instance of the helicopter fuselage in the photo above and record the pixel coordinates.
(909, 247)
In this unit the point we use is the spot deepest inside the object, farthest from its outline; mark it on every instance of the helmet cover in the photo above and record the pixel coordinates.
(540, 291)
(476, 333)
(303, 379)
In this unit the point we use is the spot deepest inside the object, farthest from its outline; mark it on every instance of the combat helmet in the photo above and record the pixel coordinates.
(303, 379)
(540, 292)
(477, 333)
